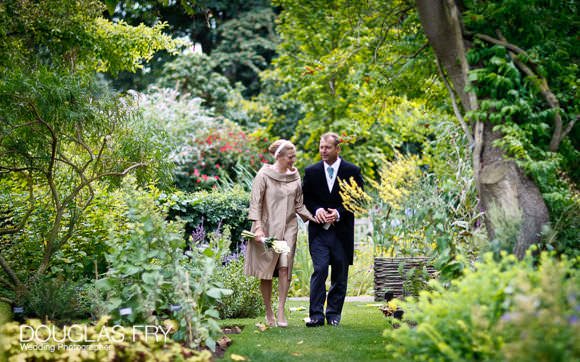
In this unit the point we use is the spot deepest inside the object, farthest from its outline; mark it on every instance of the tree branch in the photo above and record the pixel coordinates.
(454, 104)
(50, 172)
(11, 274)
(503, 43)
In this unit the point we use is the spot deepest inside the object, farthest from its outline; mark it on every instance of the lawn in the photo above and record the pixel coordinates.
(358, 338)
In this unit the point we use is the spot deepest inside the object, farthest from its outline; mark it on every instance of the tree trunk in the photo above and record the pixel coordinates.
(500, 182)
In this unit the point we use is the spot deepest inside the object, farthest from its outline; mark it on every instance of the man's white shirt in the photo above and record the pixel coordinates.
(335, 166)
(330, 181)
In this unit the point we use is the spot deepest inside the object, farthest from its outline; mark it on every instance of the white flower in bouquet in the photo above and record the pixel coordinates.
(278, 246)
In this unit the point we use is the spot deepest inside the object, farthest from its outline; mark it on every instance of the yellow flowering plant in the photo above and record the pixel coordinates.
(397, 179)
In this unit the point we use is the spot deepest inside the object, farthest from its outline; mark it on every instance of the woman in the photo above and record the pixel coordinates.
(275, 200)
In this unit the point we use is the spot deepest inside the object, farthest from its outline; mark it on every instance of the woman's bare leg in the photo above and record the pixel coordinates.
(266, 290)
(283, 286)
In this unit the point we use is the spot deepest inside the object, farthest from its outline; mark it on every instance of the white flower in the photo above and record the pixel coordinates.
(278, 246)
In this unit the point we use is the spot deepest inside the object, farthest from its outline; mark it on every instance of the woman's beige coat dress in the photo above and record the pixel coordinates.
(275, 200)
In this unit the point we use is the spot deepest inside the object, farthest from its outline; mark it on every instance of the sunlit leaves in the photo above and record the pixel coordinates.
(118, 46)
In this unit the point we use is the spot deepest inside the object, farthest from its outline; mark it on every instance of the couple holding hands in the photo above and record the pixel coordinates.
(277, 197)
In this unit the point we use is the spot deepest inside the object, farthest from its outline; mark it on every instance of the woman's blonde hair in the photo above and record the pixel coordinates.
(280, 147)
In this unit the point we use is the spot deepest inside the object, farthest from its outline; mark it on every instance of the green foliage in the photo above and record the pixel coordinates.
(208, 211)
(302, 269)
(72, 34)
(506, 310)
(414, 280)
(100, 342)
(246, 45)
(339, 60)
(60, 133)
(179, 116)
(194, 74)
(513, 86)
(149, 271)
(246, 300)
(56, 299)
(507, 225)
(67, 141)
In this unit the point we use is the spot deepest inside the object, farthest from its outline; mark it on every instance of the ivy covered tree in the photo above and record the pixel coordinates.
(387, 71)
(60, 132)
(514, 69)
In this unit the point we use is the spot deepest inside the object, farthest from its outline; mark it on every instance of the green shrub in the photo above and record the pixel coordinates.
(124, 344)
(150, 273)
(5, 312)
(56, 299)
(506, 310)
(246, 300)
(211, 154)
(207, 211)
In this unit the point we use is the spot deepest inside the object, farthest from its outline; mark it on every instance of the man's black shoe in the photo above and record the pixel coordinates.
(333, 322)
(315, 323)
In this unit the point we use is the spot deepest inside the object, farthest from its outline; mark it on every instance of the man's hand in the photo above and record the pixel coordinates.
(320, 216)
(331, 215)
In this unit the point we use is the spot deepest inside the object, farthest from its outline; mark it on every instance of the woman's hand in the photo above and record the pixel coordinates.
(259, 236)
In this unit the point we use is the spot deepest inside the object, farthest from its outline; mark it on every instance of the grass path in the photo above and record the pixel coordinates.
(358, 338)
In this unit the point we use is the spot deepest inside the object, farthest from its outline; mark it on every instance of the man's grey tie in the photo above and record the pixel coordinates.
(330, 171)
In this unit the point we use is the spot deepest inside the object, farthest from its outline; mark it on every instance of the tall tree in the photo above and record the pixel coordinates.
(513, 66)
(61, 133)
(346, 62)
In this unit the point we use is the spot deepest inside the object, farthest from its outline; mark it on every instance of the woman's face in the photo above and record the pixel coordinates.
(287, 160)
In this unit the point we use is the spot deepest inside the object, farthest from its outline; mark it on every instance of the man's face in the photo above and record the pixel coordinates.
(328, 150)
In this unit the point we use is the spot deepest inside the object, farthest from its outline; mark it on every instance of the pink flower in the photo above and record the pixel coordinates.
(196, 172)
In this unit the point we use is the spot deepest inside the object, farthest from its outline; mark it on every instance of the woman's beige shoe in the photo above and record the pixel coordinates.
(271, 323)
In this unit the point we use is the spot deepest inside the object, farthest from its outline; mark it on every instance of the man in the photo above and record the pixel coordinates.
(331, 240)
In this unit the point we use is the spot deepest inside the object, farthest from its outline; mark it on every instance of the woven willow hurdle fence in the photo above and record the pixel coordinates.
(388, 276)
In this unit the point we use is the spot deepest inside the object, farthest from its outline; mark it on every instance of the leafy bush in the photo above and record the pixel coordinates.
(193, 73)
(56, 299)
(152, 277)
(246, 300)
(207, 211)
(124, 344)
(178, 115)
(419, 214)
(211, 154)
(507, 310)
